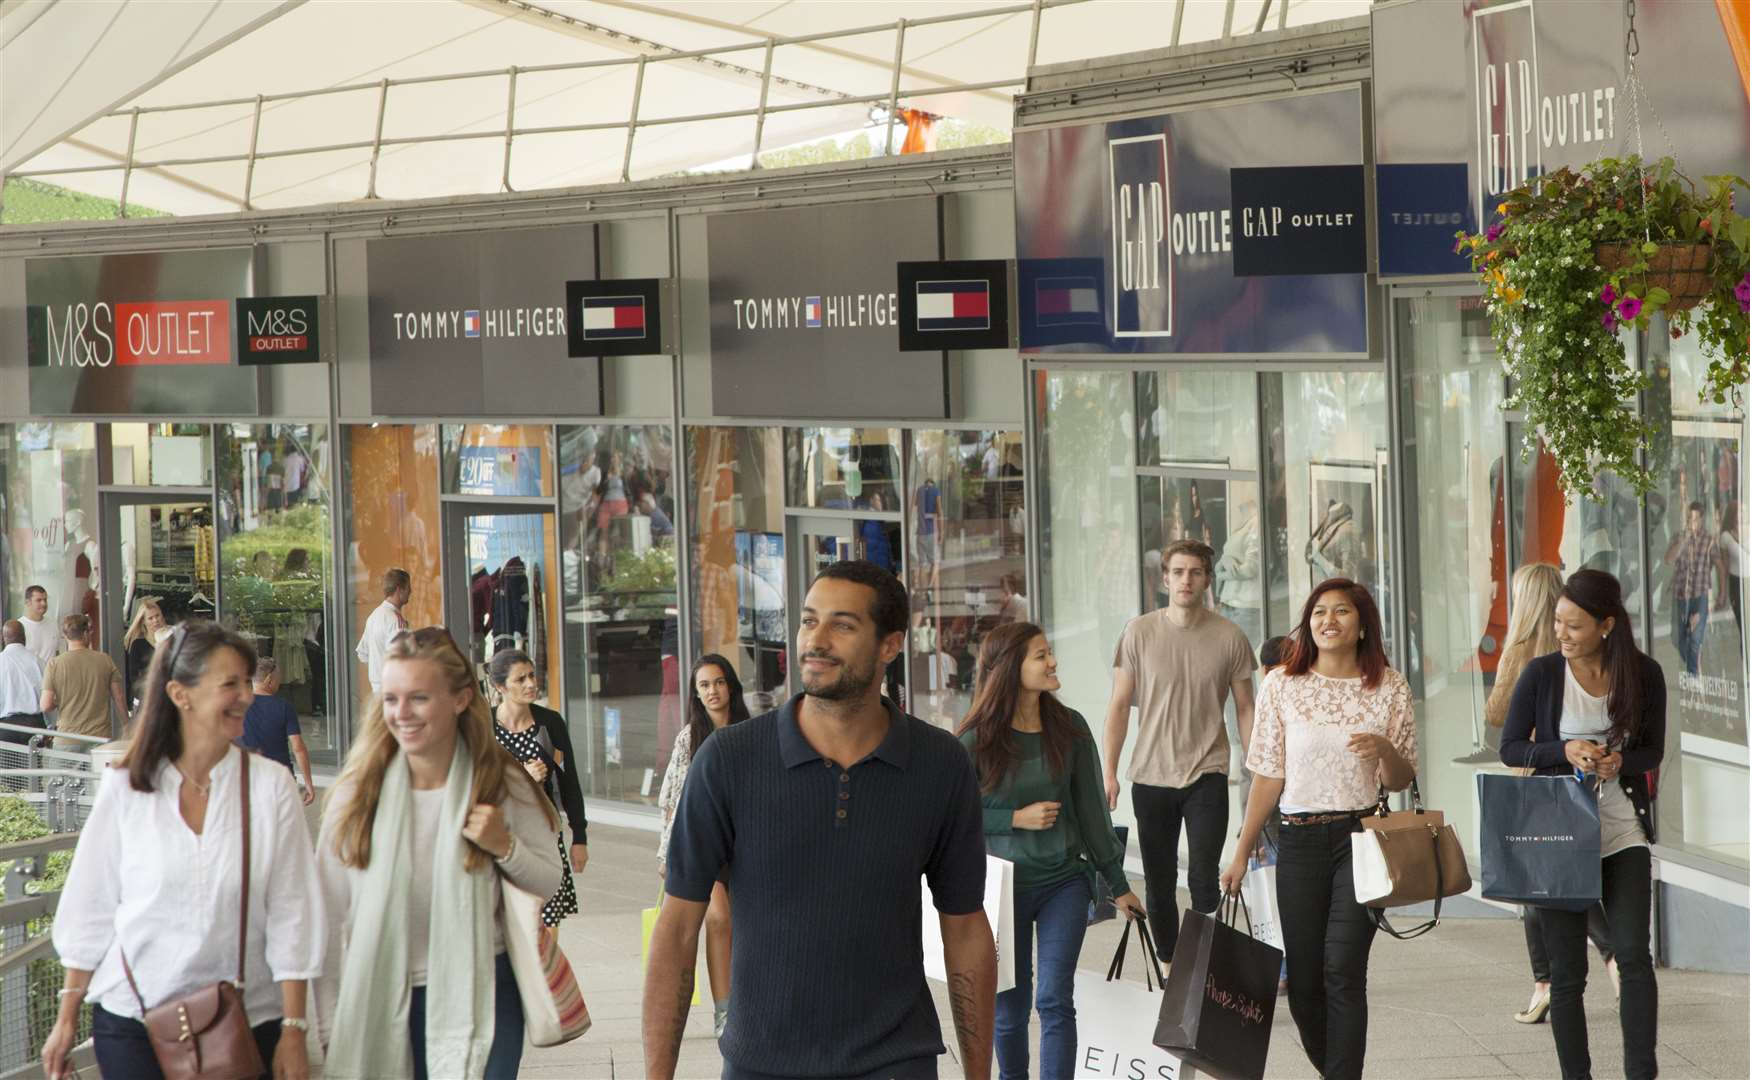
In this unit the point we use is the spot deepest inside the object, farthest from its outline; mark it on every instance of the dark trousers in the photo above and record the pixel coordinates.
(1687, 640)
(1160, 811)
(1628, 907)
(34, 719)
(1060, 914)
(124, 1052)
(1328, 937)
(1597, 929)
(507, 1026)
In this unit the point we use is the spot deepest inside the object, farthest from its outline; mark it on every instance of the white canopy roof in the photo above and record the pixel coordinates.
(74, 72)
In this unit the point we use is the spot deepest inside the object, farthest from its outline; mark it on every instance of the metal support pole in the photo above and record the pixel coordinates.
(249, 170)
(1227, 21)
(759, 120)
(893, 93)
(1263, 14)
(1033, 37)
(1282, 15)
(1178, 21)
(121, 210)
(377, 139)
(632, 123)
(509, 129)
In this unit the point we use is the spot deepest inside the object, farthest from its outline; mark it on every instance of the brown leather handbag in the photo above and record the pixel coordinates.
(206, 1035)
(1423, 858)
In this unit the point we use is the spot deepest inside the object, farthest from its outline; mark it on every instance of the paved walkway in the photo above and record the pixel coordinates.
(1442, 1006)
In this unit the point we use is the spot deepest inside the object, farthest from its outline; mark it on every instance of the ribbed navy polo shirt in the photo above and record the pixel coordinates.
(823, 867)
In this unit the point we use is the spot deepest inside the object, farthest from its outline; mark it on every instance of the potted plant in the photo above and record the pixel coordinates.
(1577, 257)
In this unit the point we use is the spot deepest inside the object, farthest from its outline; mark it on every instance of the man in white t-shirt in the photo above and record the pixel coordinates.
(41, 638)
(384, 624)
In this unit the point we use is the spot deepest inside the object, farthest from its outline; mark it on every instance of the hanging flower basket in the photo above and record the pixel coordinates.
(1576, 258)
(1684, 271)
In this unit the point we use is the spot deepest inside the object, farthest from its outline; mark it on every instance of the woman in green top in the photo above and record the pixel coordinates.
(1044, 811)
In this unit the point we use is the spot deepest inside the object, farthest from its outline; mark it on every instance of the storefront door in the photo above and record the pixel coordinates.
(817, 541)
(162, 542)
(499, 586)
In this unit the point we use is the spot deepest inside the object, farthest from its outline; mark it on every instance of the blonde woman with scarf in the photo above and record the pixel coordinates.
(426, 816)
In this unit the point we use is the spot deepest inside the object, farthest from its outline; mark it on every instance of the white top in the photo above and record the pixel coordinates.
(141, 879)
(21, 681)
(674, 781)
(1588, 717)
(42, 638)
(1737, 563)
(428, 807)
(384, 624)
(1301, 736)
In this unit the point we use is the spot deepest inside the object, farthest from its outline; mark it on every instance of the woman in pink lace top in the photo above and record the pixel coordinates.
(1333, 726)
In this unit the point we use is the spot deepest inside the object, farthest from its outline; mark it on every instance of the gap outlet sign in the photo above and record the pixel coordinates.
(1472, 100)
(1211, 231)
(805, 316)
(476, 322)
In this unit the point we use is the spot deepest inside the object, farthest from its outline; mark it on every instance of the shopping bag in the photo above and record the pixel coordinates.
(999, 908)
(648, 916)
(1220, 997)
(1115, 1020)
(1540, 842)
(554, 1011)
(1104, 906)
(1259, 890)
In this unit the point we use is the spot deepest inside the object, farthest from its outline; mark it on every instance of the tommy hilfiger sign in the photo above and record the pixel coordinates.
(614, 317)
(476, 323)
(954, 305)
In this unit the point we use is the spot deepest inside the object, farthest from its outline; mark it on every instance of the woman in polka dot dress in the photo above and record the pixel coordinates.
(539, 738)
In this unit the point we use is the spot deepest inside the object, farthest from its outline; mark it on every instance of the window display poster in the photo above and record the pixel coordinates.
(768, 573)
(1343, 540)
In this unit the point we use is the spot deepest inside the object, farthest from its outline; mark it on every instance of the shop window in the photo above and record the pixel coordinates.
(1205, 418)
(392, 521)
(617, 567)
(735, 484)
(503, 459)
(161, 454)
(844, 468)
(1088, 531)
(48, 510)
(967, 560)
(274, 540)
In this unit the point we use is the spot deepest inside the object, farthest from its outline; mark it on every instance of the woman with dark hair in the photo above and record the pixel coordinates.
(1044, 811)
(1333, 727)
(539, 738)
(714, 700)
(153, 906)
(1596, 706)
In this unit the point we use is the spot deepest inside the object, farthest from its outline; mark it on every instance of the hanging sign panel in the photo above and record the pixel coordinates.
(954, 305)
(614, 317)
(1131, 236)
(278, 330)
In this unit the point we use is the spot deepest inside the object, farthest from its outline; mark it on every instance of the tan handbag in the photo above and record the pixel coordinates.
(1422, 857)
(206, 1035)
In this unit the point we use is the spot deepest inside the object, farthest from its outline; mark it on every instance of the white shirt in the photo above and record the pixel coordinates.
(41, 638)
(1737, 563)
(1587, 717)
(384, 624)
(143, 881)
(21, 681)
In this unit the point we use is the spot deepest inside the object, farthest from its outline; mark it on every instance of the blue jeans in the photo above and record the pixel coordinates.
(1060, 912)
(1688, 641)
(507, 1026)
(122, 1048)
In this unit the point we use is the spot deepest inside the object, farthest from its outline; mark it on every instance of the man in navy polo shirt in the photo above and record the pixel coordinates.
(822, 816)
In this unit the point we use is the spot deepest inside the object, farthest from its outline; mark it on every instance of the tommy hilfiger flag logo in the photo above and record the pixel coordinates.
(953, 305)
(613, 318)
(811, 311)
(1059, 301)
(471, 324)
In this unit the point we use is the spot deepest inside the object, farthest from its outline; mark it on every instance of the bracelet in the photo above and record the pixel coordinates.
(65, 991)
(296, 1023)
(508, 852)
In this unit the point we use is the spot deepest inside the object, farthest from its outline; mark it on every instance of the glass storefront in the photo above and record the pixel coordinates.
(48, 517)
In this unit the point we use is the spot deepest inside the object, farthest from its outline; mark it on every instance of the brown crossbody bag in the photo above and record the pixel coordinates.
(206, 1035)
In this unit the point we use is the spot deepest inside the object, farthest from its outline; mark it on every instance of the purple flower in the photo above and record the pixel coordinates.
(1494, 232)
(1743, 290)
(1608, 296)
(1628, 309)
(1609, 321)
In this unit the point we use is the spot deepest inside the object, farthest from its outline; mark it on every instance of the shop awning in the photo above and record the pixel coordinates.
(222, 106)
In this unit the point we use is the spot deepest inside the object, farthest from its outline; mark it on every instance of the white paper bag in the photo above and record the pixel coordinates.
(1259, 892)
(1115, 1027)
(999, 908)
(1367, 860)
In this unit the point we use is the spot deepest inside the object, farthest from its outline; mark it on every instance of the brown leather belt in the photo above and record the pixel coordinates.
(1328, 818)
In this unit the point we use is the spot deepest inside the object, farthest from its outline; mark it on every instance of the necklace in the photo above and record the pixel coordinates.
(205, 789)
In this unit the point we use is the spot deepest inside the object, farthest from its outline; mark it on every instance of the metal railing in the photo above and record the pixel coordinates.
(648, 53)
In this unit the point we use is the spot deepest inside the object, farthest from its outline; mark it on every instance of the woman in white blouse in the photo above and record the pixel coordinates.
(1333, 725)
(157, 880)
(427, 814)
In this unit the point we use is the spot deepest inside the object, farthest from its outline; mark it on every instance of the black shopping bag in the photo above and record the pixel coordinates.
(1104, 907)
(1539, 841)
(1220, 997)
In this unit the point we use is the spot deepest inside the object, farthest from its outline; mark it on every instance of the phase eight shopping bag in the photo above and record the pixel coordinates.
(1540, 841)
(999, 909)
(1220, 998)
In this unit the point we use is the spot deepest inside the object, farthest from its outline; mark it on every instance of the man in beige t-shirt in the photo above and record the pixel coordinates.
(82, 683)
(1177, 667)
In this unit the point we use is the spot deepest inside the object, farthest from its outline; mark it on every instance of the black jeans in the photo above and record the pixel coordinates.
(1328, 937)
(1628, 907)
(34, 719)
(1202, 810)
(123, 1049)
(1597, 929)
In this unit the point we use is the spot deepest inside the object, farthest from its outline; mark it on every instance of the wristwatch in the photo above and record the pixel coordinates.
(296, 1023)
